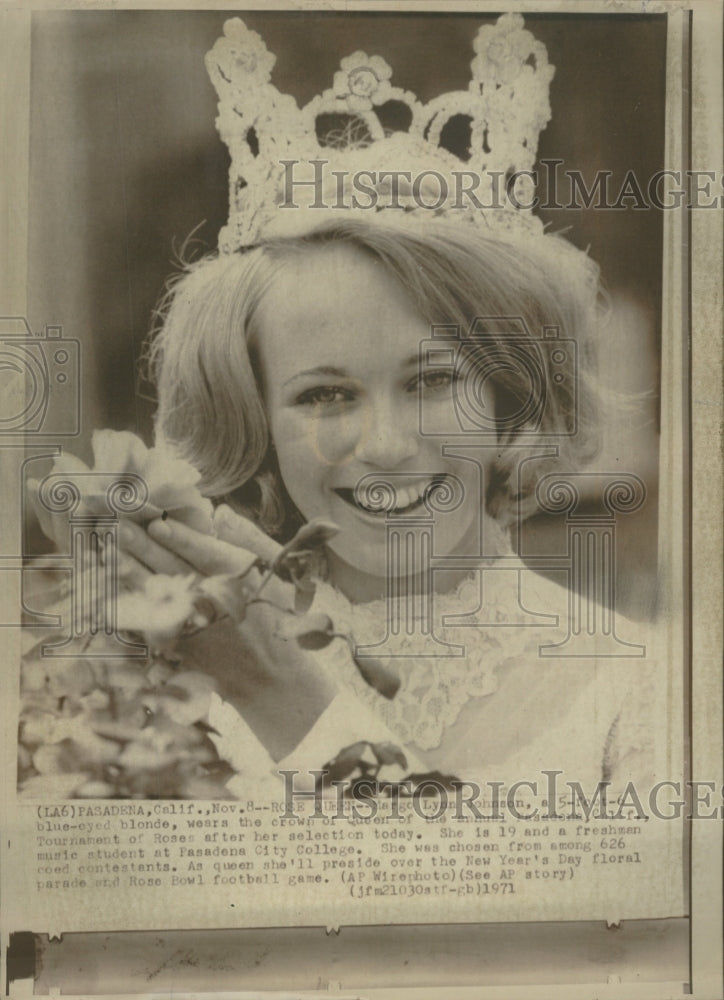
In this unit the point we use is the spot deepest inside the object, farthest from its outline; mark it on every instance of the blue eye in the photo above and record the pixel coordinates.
(441, 378)
(323, 395)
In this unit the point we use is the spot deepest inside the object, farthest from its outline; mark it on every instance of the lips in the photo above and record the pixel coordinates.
(409, 498)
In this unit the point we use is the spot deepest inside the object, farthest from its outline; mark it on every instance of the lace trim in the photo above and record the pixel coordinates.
(435, 688)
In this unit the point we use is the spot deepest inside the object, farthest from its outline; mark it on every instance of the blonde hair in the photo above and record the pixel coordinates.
(209, 402)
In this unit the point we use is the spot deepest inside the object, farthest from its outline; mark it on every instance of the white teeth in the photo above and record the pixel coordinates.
(406, 496)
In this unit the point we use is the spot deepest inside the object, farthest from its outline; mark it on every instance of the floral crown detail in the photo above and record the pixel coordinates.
(364, 143)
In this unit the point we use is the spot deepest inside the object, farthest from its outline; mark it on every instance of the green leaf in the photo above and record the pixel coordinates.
(314, 640)
(389, 753)
(382, 678)
(312, 535)
(312, 632)
(347, 760)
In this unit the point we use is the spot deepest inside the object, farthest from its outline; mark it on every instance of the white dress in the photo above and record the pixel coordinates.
(504, 710)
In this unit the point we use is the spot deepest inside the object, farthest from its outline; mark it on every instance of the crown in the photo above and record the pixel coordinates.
(364, 143)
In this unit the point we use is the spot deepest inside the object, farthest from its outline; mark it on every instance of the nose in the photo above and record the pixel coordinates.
(390, 434)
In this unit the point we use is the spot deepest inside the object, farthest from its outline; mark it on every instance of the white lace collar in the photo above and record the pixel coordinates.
(434, 688)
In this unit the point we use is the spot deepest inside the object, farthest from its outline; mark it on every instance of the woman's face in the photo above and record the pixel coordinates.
(339, 346)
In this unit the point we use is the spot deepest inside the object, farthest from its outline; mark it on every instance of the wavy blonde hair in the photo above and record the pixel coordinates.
(209, 400)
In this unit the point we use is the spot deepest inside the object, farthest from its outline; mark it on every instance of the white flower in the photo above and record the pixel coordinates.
(240, 57)
(53, 786)
(363, 81)
(184, 699)
(502, 49)
(172, 483)
(159, 611)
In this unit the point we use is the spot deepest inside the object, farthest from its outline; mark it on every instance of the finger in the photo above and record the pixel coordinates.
(206, 554)
(237, 530)
(132, 573)
(135, 541)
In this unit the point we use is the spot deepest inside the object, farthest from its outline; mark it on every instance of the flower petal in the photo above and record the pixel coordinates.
(354, 61)
(117, 451)
(66, 464)
(380, 68)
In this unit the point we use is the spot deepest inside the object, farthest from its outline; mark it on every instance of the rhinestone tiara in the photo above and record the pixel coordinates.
(292, 168)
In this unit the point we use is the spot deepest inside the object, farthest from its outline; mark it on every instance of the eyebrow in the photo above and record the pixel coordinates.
(339, 372)
(321, 370)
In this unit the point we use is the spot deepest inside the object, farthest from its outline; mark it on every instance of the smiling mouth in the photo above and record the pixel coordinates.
(409, 499)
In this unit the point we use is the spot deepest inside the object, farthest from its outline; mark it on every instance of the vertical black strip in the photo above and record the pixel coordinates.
(20, 958)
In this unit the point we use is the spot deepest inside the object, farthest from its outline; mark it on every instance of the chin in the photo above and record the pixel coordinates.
(370, 560)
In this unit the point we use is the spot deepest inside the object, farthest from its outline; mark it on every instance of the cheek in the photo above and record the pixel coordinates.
(327, 441)
(473, 472)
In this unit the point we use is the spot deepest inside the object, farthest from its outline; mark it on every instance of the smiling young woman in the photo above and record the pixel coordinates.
(412, 372)
(295, 372)
(289, 372)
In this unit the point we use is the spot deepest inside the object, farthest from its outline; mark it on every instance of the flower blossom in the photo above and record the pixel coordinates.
(159, 611)
(363, 81)
(502, 49)
(171, 482)
(240, 57)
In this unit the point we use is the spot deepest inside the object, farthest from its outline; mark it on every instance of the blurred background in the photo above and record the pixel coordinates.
(126, 163)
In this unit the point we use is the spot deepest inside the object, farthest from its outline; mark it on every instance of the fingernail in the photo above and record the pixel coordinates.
(159, 529)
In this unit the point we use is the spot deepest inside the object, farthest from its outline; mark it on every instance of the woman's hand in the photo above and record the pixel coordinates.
(277, 687)
(167, 546)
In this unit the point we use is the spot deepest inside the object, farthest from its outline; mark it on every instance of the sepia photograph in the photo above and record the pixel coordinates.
(348, 425)
(391, 448)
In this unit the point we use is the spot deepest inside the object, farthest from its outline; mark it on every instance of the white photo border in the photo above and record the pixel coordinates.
(694, 297)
